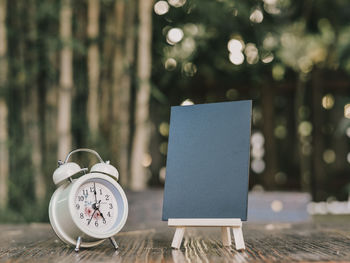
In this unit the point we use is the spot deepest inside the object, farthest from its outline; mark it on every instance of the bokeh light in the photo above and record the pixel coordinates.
(177, 3)
(164, 129)
(348, 157)
(257, 139)
(271, 7)
(257, 152)
(187, 102)
(236, 58)
(267, 58)
(276, 206)
(161, 8)
(329, 156)
(162, 173)
(348, 132)
(188, 44)
(234, 45)
(147, 160)
(280, 178)
(163, 148)
(170, 64)
(256, 16)
(270, 42)
(347, 111)
(190, 69)
(251, 53)
(278, 72)
(174, 35)
(280, 131)
(232, 94)
(305, 128)
(328, 101)
(258, 166)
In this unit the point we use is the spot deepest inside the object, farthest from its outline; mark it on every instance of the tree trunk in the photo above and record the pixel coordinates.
(33, 121)
(125, 93)
(117, 92)
(268, 95)
(318, 171)
(66, 81)
(93, 61)
(304, 159)
(141, 139)
(36, 145)
(106, 72)
(4, 151)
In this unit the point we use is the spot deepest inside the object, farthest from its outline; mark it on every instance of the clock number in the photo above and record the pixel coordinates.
(85, 192)
(100, 191)
(104, 221)
(92, 189)
(109, 214)
(77, 206)
(107, 197)
(96, 223)
(81, 216)
(110, 206)
(80, 198)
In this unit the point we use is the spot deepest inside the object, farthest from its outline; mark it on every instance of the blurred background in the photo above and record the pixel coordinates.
(103, 74)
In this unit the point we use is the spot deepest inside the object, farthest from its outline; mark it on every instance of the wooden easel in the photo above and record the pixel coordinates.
(225, 223)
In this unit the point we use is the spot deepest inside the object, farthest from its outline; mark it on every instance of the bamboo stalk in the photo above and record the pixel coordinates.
(142, 133)
(65, 82)
(4, 151)
(93, 58)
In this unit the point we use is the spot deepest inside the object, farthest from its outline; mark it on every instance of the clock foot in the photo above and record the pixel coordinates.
(77, 247)
(114, 243)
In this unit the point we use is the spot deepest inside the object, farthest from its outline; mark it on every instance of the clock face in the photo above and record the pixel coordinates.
(96, 206)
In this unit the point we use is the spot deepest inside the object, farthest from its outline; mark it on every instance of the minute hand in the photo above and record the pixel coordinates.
(95, 207)
(95, 192)
(92, 216)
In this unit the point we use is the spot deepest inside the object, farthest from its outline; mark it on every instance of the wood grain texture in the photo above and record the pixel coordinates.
(265, 243)
(146, 238)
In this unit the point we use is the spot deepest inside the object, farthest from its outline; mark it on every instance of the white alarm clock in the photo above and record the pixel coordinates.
(85, 211)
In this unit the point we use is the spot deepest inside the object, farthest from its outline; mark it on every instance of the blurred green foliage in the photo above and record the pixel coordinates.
(294, 52)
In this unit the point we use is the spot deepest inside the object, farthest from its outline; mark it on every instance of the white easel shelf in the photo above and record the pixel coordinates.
(225, 223)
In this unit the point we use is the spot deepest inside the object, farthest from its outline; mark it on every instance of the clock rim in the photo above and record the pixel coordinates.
(66, 238)
(71, 200)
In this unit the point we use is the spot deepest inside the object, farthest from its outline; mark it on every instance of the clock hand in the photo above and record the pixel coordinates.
(101, 214)
(104, 219)
(95, 192)
(92, 216)
(95, 207)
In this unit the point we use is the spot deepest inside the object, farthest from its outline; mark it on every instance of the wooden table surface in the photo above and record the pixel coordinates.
(146, 238)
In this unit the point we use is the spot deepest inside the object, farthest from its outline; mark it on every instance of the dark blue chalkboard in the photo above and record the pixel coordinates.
(208, 161)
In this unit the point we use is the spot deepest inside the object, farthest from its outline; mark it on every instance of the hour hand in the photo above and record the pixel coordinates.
(104, 219)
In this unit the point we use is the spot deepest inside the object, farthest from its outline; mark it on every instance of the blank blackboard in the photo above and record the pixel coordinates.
(208, 157)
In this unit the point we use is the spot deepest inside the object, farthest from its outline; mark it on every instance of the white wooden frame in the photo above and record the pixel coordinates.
(225, 223)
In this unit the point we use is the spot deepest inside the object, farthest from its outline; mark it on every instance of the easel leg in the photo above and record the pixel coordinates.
(226, 236)
(238, 235)
(179, 233)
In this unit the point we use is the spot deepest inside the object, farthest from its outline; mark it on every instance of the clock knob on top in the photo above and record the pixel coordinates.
(105, 168)
(65, 171)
